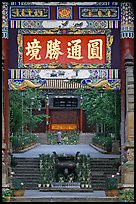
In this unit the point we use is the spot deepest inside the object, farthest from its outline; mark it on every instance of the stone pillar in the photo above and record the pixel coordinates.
(128, 167)
(127, 47)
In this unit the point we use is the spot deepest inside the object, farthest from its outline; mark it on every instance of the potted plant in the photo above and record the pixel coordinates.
(6, 195)
(17, 187)
(111, 186)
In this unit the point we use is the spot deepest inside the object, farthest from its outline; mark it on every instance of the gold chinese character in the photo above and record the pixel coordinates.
(33, 49)
(23, 12)
(95, 49)
(53, 49)
(17, 12)
(41, 13)
(75, 50)
(36, 12)
(29, 12)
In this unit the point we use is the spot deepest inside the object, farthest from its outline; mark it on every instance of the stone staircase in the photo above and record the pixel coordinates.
(42, 138)
(101, 169)
(85, 138)
(28, 170)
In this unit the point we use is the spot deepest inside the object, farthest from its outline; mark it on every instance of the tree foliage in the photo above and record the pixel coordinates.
(102, 108)
(21, 109)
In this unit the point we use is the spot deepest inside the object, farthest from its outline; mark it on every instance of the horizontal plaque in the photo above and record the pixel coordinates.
(29, 12)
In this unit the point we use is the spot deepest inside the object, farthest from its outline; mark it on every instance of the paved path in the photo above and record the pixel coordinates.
(64, 149)
(36, 196)
(37, 193)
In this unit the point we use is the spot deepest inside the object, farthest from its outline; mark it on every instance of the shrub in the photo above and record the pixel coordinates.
(104, 141)
(126, 195)
(111, 183)
(68, 137)
(17, 184)
(19, 140)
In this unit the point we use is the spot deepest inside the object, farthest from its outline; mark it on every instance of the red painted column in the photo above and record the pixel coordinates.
(81, 116)
(47, 113)
(6, 100)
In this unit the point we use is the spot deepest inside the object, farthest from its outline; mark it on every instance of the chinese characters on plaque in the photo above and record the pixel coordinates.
(64, 49)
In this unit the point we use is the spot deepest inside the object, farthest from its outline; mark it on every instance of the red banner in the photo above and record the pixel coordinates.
(44, 49)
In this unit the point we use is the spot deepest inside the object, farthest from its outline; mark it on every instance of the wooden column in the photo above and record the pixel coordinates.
(81, 115)
(47, 112)
(6, 101)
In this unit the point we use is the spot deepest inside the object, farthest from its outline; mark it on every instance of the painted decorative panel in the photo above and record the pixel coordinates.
(27, 12)
(4, 19)
(91, 13)
(127, 20)
(63, 74)
(23, 84)
(66, 3)
(64, 13)
(34, 54)
(40, 24)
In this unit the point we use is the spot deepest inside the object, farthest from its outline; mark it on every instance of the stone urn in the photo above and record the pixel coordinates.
(65, 165)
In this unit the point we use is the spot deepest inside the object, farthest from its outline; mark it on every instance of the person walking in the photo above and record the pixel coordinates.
(59, 137)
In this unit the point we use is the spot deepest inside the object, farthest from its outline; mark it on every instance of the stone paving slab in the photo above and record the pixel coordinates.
(37, 193)
(37, 196)
(64, 149)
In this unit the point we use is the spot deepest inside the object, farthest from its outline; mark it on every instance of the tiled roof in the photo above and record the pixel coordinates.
(61, 84)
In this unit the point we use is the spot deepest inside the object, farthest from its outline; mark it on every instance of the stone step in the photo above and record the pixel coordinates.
(31, 184)
(105, 171)
(27, 170)
(103, 163)
(102, 166)
(65, 199)
(42, 138)
(27, 166)
(27, 163)
(27, 175)
(26, 159)
(106, 161)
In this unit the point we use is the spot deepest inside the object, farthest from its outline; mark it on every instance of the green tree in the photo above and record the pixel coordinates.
(100, 108)
(21, 109)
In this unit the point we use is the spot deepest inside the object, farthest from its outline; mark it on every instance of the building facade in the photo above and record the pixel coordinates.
(97, 39)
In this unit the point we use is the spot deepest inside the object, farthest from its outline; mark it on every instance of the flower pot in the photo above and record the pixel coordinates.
(82, 185)
(47, 185)
(112, 193)
(18, 193)
(8, 198)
